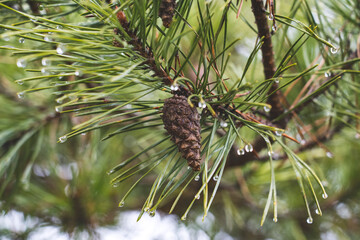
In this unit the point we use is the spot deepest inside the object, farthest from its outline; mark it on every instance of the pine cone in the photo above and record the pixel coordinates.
(182, 122)
(166, 11)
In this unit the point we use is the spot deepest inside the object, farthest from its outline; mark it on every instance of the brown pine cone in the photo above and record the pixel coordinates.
(166, 11)
(182, 122)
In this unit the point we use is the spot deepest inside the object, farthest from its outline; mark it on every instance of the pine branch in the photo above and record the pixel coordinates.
(277, 99)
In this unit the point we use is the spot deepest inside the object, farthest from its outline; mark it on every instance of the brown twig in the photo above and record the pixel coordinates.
(275, 100)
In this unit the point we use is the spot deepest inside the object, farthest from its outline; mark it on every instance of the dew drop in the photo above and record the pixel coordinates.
(271, 17)
(357, 136)
(59, 27)
(309, 220)
(45, 62)
(334, 50)
(111, 171)
(270, 153)
(249, 148)
(21, 63)
(47, 38)
(302, 142)
(61, 49)
(197, 178)
(329, 154)
(174, 87)
(277, 80)
(183, 218)
(63, 139)
(327, 74)
(147, 209)
(58, 108)
(21, 94)
(202, 105)
(324, 196)
(83, 134)
(21, 40)
(223, 124)
(215, 178)
(275, 219)
(188, 167)
(267, 108)
(121, 204)
(240, 152)
(152, 213)
(197, 196)
(317, 211)
(274, 27)
(19, 82)
(278, 133)
(78, 73)
(44, 71)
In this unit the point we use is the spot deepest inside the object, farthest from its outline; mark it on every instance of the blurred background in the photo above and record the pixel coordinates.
(62, 190)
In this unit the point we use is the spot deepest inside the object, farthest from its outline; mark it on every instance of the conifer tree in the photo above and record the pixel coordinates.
(192, 103)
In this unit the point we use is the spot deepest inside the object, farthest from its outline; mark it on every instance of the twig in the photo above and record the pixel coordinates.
(276, 99)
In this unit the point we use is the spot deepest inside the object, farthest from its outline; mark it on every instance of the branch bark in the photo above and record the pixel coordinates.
(275, 100)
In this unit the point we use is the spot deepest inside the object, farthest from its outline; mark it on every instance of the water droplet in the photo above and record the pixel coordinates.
(215, 178)
(83, 134)
(249, 148)
(44, 71)
(188, 167)
(309, 220)
(317, 211)
(197, 196)
(121, 204)
(58, 108)
(147, 209)
(275, 219)
(202, 105)
(329, 154)
(277, 80)
(274, 27)
(223, 124)
(20, 82)
(183, 218)
(61, 49)
(279, 133)
(63, 139)
(267, 108)
(357, 136)
(324, 196)
(270, 153)
(59, 27)
(271, 17)
(45, 62)
(327, 74)
(47, 38)
(111, 171)
(152, 213)
(41, 7)
(78, 73)
(21, 94)
(21, 63)
(334, 50)
(197, 178)
(21, 40)
(240, 152)
(174, 87)
(302, 142)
